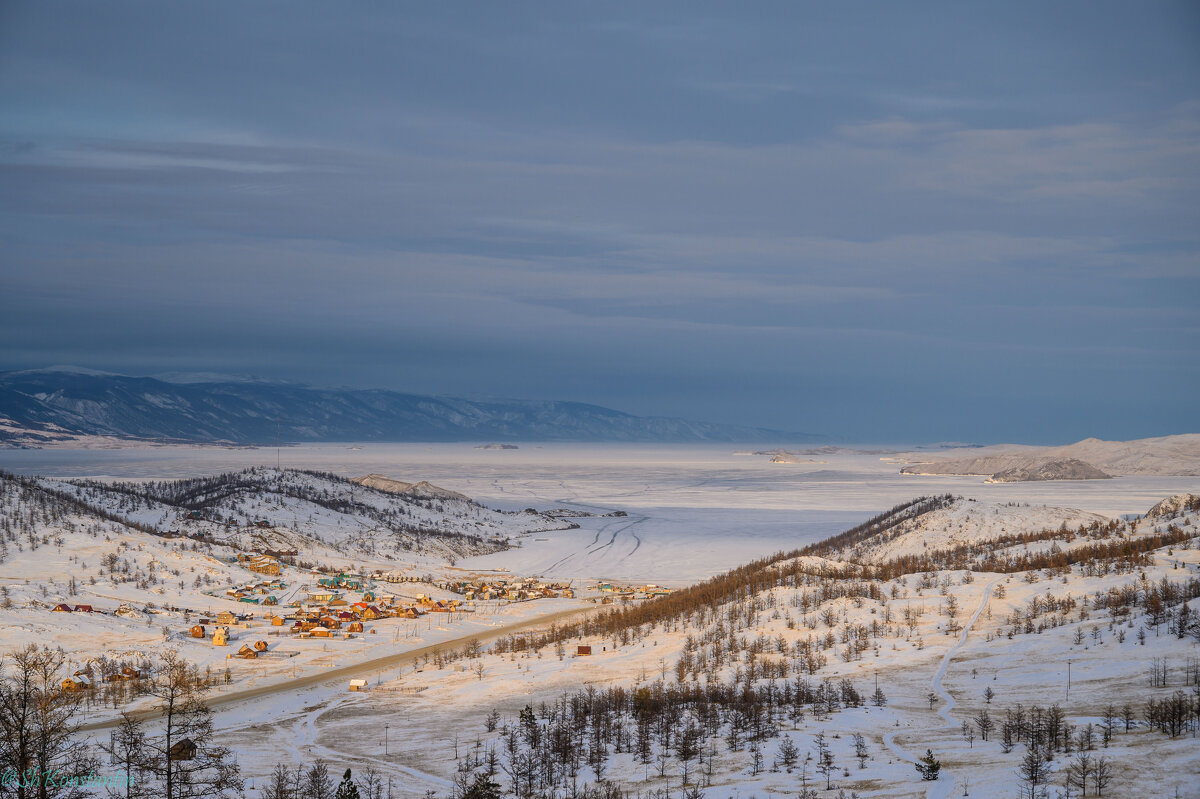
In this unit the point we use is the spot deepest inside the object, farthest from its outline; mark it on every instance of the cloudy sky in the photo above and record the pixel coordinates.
(889, 221)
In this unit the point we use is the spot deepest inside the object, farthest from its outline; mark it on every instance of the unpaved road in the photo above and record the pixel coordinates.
(364, 667)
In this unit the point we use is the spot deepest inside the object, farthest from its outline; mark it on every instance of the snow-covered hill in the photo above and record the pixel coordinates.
(1167, 455)
(315, 515)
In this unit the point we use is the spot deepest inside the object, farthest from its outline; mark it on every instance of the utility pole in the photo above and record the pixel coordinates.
(385, 742)
(1068, 680)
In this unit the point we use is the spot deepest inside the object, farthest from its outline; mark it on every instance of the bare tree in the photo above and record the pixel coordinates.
(38, 731)
(185, 758)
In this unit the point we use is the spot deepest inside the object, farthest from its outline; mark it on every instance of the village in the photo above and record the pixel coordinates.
(312, 604)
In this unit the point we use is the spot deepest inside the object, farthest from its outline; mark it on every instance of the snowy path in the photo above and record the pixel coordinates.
(943, 787)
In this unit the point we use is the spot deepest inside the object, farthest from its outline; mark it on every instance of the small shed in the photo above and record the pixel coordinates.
(197, 631)
(583, 650)
(260, 646)
(358, 685)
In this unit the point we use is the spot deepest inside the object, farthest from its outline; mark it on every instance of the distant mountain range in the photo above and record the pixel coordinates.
(58, 404)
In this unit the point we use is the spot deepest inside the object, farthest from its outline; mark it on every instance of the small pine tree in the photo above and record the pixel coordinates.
(877, 698)
(346, 788)
(483, 788)
(929, 766)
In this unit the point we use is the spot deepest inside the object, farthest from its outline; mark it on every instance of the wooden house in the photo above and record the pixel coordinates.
(277, 621)
(355, 627)
(321, 632)
(183, 750)
(262, 564)
(247, 653)
(583, 650)
(260, 646)
(197, 630)
(225, 617)
(358, 685)
(79, 682)
(221, 636)
(61, 608)
(83, 608)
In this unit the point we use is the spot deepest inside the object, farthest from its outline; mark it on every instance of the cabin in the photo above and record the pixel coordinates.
(321, 632)
(277, 621)
(260, 646)
(83, 608)
(372, 613)
(583, 650)
(262, 524)
(220, 636)
(195, 516)
(61, 608)
(246, 653)
(355, 627)
(197, 631)
(225, 617)
(271, 600)
(358, 685)
(183, 750)
(131, 674)
(79, 682)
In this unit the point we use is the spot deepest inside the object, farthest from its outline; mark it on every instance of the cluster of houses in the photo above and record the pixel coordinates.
(84, 680)
(516, 590)
(610, 591)
(326, 614)
(65, 608)
(257, 593)
(329, 614)
(261, 564)
(125, 610)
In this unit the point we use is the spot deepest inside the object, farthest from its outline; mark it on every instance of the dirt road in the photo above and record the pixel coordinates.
(361, 668)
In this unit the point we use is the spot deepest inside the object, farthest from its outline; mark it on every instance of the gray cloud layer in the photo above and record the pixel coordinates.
(873, 220)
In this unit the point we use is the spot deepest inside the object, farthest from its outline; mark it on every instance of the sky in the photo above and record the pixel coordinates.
(878, 221)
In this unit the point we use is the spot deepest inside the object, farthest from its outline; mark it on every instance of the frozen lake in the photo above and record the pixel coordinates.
(694, 510)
